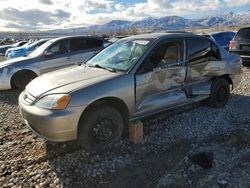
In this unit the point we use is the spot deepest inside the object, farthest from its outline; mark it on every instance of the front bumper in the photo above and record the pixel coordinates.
(53, 125)
(4, 80)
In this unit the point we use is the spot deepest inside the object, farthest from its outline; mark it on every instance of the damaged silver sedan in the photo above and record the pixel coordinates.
(132, 78)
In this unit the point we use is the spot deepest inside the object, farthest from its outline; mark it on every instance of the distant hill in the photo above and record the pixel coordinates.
(171, 23)
(150, 24)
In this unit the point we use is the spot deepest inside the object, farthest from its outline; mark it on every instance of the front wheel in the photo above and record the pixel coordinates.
(21, 79)
(100, 128)
(220, 92)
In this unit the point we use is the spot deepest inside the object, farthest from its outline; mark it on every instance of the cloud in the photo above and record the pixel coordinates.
(32, 18)
(160, 4)
(80, 13)
(235, 3)
(96, 5)
(46, 2)
(61, 14)
(120, 7)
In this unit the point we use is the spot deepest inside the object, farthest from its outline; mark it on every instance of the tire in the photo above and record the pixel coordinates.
(21, 79)
(220, 92)
(100, 128)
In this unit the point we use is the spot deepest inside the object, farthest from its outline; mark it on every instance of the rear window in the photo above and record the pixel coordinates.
(223, 39)
(243, 34)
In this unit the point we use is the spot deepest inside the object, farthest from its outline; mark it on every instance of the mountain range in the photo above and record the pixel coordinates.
(171, 23)
(149, 24)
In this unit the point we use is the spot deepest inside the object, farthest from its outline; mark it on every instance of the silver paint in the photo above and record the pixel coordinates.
(41, 64)
(142, 94)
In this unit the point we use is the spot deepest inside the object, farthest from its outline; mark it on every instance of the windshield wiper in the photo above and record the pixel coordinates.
(106, 68)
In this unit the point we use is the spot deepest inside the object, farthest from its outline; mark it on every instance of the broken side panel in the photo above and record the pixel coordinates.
(159, 88)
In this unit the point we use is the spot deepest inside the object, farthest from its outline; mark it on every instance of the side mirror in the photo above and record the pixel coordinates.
(48, 53)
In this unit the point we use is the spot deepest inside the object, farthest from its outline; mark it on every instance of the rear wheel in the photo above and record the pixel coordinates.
(100, 128)
(21, 79)
(220, 92)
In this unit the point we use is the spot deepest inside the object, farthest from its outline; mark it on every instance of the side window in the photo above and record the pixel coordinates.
(60, 47)
(78, 44)
(165, 55)
(243, 34)
(214, 53)
(198, 49)
(94, 43)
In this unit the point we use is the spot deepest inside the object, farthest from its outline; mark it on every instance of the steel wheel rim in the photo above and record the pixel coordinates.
(103, 130)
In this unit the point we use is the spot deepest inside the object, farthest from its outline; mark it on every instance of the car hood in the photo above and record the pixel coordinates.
(67, 80)
(14, 61)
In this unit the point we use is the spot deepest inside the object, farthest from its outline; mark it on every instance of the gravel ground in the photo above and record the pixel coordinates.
(2, 58)
(162, 160)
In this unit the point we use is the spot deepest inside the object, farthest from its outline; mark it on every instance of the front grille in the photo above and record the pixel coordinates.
(28, 98)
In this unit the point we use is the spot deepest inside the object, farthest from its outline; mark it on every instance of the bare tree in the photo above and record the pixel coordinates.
(92, 32)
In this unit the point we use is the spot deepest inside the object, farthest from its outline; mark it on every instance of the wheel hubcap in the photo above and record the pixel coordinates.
(221, 94)
(103, 130)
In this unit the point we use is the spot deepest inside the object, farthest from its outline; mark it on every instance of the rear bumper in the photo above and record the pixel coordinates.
(245, 59)
(245, 56)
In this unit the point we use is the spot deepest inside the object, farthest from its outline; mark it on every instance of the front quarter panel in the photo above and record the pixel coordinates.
(121, 87)
(6, 72)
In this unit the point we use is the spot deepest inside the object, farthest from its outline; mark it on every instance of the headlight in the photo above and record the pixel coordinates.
(54, 101)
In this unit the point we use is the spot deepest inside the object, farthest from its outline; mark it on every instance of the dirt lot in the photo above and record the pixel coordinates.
(166, 158)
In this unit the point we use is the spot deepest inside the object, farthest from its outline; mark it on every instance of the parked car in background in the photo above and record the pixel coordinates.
(222, 38)
(132, 78)
(4, 48)
(52, 55)
(23, 46)
(241, 44)
(24, 50)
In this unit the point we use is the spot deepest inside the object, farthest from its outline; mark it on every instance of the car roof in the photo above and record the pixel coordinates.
(76, 36)
(244, 28)
(214, 33)
(154, 36)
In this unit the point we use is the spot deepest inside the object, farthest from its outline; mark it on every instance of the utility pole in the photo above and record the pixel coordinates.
(20, 34)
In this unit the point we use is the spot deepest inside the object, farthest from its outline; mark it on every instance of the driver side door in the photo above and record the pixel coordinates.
(160, 87)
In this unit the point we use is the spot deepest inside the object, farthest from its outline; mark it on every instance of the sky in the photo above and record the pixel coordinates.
(33, 15)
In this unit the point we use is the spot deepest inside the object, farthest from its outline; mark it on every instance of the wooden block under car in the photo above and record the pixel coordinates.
(136, 132)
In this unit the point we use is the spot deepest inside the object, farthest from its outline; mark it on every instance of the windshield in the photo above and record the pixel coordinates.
(35, 43)
(121, 55)
(41, 49)
(27, 44)
(17, 44)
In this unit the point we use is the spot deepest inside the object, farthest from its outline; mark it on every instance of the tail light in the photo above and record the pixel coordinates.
(231, 44)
